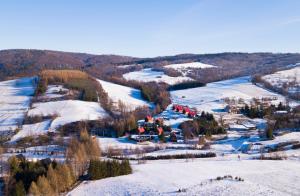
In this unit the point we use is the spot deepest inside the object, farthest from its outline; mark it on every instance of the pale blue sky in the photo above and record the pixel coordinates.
(146, 28)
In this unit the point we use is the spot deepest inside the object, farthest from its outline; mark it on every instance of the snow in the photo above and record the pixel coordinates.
(55, 91)
(287, 76)
(293, 136)
(189, 65)
(209, 98)
(54, 152)
(172, 118)
(120, 143)
(167, 177)
(15, 96)
(149, 75)
(131, 97)
(185, 68)
(32, 130)
(127, 66)
(284, 76)
(68, 111)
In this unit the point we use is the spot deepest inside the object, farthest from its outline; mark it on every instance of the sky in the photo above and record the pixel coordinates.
(148, 28)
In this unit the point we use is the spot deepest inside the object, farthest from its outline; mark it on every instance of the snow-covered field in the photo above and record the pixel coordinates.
(167, 177)
(149, 75)
(55, 91)
(185, 68)
(197, 65)
(209, 98)
(287, 76)
(131, 97)
(68, 111)
(15, 96)
(32, 130)
(119, 143)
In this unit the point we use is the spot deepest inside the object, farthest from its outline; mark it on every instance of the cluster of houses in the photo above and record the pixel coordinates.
(185, 110)
(152, 128)
(148, 129)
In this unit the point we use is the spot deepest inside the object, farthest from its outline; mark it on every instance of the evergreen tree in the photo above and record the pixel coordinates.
(269, 132)
(14, 165)
(52, 178)
(19, 189)
(65, 177)
(34, 190)
(44, 186)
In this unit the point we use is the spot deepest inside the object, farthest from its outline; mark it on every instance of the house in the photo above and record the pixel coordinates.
(192, 114)
(280, 112)
(177, 108)
(149, 119)
(185, 110)
(160, 130)
(159, 121)
(141, 130)
(141, 138)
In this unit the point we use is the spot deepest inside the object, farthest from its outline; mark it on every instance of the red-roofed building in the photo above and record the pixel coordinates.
(149, 119)
(185, 110)
(160, 130)
(177, 108)
(141, 129)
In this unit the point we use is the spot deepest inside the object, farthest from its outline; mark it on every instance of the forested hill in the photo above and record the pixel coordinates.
(23, 62)
(27, 62)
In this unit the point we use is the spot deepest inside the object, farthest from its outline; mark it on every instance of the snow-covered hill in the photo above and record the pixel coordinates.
(209, 98)
(68, 111)
(185, 68)
(290, 78)
(149, 75)
(130, 96)
(15, 96)
(32, 130)
(167, 177)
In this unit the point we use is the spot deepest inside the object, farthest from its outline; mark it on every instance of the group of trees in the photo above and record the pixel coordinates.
(290, 119)
(99, 169)
(89, 88)
(43, 177)
(204, 124)
(156, 93)
(80, 151)
(117, 124)
(186, 85)
(46, 177)
(259, 111)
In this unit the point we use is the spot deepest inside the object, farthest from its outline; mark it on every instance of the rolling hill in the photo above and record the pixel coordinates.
(25, 62)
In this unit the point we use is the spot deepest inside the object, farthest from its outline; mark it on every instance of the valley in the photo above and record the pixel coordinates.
(204, 138)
